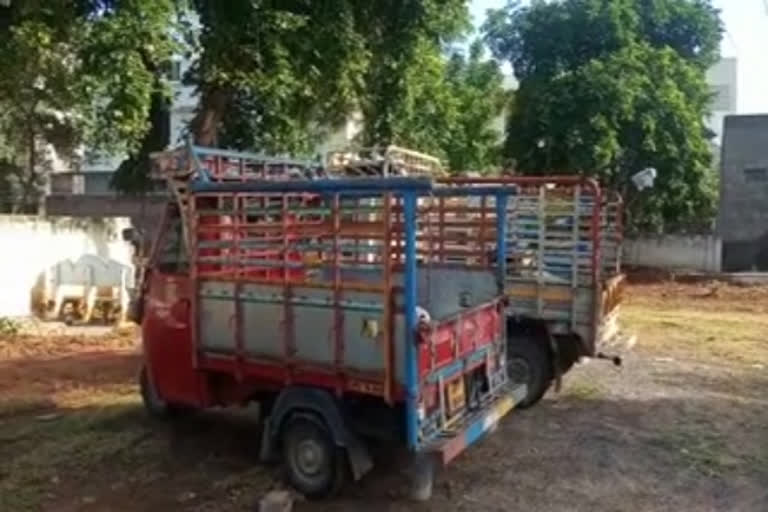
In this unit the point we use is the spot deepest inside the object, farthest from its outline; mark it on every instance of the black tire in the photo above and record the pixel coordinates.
(314, 465)
(529, 362)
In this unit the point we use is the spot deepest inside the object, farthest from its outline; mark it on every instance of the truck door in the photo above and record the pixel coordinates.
(166, 324)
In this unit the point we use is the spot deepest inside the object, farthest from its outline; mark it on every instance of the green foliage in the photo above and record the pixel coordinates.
(124, 48)
(274, 76)
(397, 32)
(9, 327)
(608, 88)
(448, 108)
(549, 38)
(76, 72)
(270, 73)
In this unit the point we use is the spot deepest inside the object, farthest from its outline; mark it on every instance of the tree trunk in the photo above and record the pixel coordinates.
(205, 124)
(133, 176)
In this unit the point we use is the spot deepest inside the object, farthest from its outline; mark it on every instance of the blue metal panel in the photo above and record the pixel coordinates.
(343, 187)
(202, 172)
(485, 190)
(501, 239)
(410, 282)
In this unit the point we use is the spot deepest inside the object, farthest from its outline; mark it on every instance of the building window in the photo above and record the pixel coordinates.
(756, 175)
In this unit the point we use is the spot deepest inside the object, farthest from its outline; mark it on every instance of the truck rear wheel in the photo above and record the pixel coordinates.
(529, 362)
(315, 465)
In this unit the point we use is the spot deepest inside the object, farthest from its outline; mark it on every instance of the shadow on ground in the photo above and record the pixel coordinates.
(697, 442)
(704, 452)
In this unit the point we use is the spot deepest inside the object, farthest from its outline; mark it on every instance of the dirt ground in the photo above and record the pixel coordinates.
(681, 426)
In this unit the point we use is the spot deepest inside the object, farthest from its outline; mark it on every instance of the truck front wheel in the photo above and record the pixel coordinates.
(315, 465)
(529, 362)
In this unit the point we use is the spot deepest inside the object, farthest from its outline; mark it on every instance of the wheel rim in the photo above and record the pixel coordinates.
(518, 370)
(309, 458)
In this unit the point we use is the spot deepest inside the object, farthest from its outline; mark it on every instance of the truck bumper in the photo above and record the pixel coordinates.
(477, 426)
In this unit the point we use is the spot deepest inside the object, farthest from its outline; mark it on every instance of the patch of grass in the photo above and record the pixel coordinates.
(39, 452)
(704, 452)
(582, 390)
(24, 345)
(97, 396)
(9, 327)
(734, 336)
(19, 405)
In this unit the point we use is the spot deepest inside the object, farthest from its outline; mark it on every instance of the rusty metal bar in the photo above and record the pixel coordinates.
(389, 303)
(484, 257)
(288, 320)
(239, 335)
(194, 284)
(338, 314)
(442, 212)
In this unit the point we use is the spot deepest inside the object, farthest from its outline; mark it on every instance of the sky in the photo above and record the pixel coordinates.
(746, 23)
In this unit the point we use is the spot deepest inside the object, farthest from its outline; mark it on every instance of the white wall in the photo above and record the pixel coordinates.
(30, 245)
(690, 252)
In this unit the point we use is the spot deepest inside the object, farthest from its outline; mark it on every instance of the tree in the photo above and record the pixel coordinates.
(608, 88)
(277, 76)
(75, 72)
(267, 72)
(448, 107)
(36, 95)
(271, 75)
(401, 35)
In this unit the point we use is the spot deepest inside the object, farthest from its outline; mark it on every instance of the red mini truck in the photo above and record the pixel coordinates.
(563, 275)
(333, 303)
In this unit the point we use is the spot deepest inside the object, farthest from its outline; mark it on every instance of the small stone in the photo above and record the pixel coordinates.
(729, 460)
(55, 480)
(276, 501)
(186, 496)
(47, 417)
(88, 500)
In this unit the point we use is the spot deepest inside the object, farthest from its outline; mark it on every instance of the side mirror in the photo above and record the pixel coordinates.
(129, 235)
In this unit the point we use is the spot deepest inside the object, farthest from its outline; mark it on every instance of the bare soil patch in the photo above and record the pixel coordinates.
(680, 427)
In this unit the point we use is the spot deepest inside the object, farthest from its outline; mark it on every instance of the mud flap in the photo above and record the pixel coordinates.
(266, 451)
(320, 404)
(557, 371)
(422, 477)
(360, 461)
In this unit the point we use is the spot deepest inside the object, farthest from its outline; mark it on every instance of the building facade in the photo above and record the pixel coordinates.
(742, 221)
(723, 82)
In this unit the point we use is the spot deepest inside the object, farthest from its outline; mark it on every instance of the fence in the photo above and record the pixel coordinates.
(701, 253)
(39, 254)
